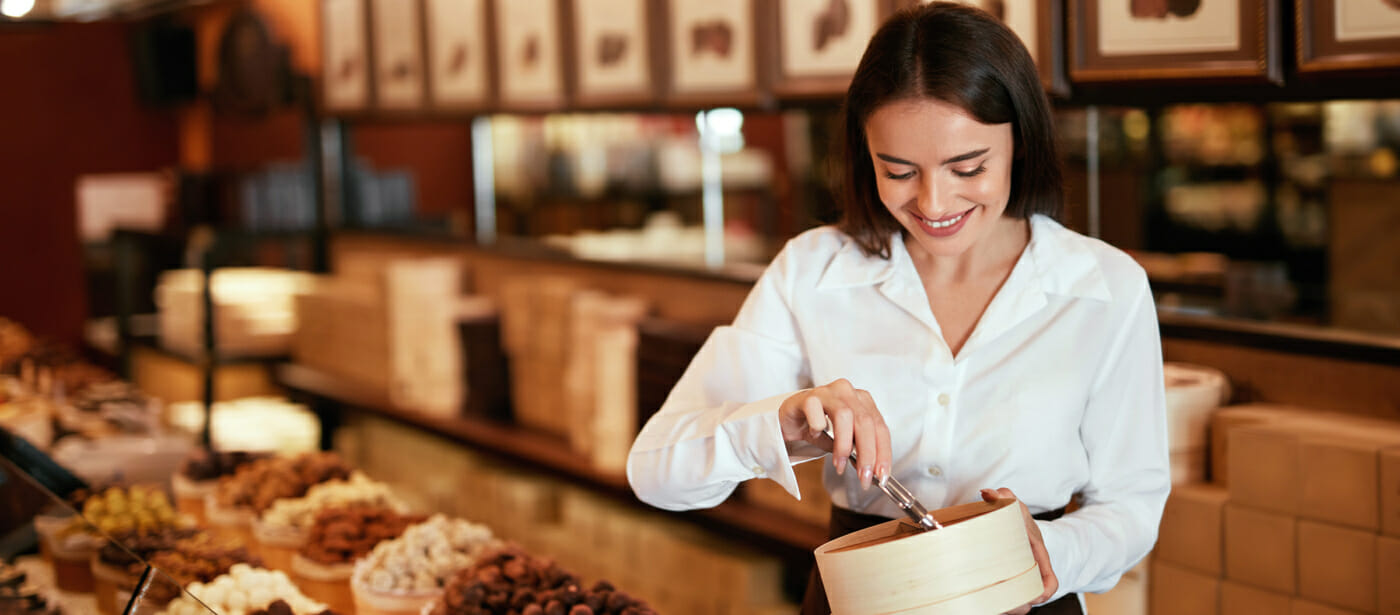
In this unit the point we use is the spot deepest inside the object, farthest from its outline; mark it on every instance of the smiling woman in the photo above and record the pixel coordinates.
(929, 329)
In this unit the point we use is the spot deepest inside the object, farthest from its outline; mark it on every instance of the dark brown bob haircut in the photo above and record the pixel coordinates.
(965, 57)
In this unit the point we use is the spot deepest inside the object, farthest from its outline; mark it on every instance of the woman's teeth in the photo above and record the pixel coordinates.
(946, 223)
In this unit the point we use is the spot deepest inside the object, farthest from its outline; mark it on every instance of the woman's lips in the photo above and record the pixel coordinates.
(945, 226)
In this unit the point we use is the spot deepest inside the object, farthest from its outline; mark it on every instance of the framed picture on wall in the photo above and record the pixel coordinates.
(459, 54)
(1174, 39)
(820, 43)
(396, 28)
(345, 68)
(713, 52)
(1347, 34)
(529, 54)
(1040, 24)
(613, 51)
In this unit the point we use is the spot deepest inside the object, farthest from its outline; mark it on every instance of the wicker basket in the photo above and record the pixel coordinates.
(979, 563)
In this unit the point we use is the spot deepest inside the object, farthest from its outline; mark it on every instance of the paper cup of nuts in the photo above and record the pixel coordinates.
(276, 544)
(229, 523)
(402, 575)
(979, 562)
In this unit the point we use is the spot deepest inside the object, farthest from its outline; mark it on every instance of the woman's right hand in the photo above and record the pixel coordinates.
(855, 422)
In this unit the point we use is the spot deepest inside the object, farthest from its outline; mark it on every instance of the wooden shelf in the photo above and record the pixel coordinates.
(551, 454)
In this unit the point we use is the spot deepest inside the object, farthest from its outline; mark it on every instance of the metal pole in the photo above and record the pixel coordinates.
(483, 181)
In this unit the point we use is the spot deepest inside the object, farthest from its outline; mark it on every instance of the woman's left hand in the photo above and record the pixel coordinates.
(1042, 557)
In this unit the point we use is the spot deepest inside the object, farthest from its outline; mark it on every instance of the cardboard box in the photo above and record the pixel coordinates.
(1339, 480)
(1388, 575)
(1261, 548)
(1241, 599)
(1337, 566)
(1190, 534)
(1227, 419)
(1128, 597)
(1264, 467)
(1178, 591)
(1390, 492)
(1306, 607)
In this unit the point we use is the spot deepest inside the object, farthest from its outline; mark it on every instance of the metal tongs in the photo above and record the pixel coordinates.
(897, 492)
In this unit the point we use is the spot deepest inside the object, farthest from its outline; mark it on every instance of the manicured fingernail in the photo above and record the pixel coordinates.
(865, 474)
(840, 465)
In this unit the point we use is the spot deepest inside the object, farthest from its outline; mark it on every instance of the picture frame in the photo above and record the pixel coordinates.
(396, 29)
(713, 52)
(1122, 40)
(614, 52)
(346, 80)
(1347, 35)
(1040, 24)
(820, 43)
(461, 54)
(530, 54)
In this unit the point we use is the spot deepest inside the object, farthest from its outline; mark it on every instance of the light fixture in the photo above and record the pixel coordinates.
(16, 9)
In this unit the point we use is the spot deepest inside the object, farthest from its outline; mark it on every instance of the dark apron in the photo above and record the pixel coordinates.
(845, 521)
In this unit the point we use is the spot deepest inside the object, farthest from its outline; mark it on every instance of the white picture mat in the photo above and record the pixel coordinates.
(841, 54)
(106, 202)
(345, 41)
(1213, 27)
(599, 18)
(1020, 16)
(1360, 20)
(519, 20)
(453, 25)
(708, 71)
(396, 42)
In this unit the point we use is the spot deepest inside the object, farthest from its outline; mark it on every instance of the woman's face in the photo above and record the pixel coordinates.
(942, 174)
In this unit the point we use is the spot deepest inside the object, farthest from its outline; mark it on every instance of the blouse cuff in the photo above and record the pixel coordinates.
(756, 436)
(1058, 544)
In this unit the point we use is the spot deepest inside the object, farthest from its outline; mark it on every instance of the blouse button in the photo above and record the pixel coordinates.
(943, 399)
(757, 471)
(935, 471)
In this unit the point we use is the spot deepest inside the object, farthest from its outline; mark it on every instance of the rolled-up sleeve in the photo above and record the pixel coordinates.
(1124, 436)
(719, 426)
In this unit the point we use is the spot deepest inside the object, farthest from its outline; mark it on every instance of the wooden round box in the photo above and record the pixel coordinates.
(979, 563)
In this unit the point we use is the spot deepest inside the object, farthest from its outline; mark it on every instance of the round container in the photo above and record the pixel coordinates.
(72, 562)
(277, 544)
(369, 602)
(47, 527)
(327, 583)
(108, 583)
(190, 495)
(979, 563)
(229, 524)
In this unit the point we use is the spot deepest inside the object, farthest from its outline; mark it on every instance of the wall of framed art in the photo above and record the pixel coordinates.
(472, 56)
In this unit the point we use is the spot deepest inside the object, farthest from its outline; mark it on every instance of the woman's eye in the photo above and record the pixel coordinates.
(973, 173)
(900, 176)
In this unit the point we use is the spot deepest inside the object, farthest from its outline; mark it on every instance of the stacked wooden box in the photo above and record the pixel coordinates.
(395, 333)
(573, 364)
(1303, 518)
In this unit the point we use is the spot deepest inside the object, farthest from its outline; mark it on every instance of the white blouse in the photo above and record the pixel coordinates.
(1057, 391)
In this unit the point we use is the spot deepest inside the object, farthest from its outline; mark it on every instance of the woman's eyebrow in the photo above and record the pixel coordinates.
(958, 158)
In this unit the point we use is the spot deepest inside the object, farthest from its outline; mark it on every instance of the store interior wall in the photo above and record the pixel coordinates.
(69, 107)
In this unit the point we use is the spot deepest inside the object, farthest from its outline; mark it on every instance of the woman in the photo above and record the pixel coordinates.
(951, 332)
